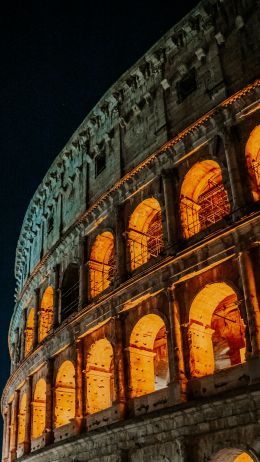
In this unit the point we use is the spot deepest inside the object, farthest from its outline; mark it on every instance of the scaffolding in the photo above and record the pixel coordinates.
(144, 246)
(101, 275)
(211, 206)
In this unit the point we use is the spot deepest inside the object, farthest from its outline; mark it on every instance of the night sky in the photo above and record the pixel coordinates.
(57, 59)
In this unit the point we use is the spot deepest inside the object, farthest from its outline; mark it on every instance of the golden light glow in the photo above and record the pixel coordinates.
(39, 409)
(244, 457)
(29, 331)
(148, 354)
(252, 153)
(102, 263)
(64, 394)
(100, 376)
(145, 235)
(216, 330)
(203, 200)
(21, 419)
(46, 313)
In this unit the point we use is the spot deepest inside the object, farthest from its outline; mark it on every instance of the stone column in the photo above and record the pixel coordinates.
(120, 384)
(27, 439)
(120, 245)
(170, 209)
(83, 276)
(14, 426)
(36, 317)
(5, 431)
(6, 440)
(56, 301)
(251, 301)
(49, 402)
(79, 385)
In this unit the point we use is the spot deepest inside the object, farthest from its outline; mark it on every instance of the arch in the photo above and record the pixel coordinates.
(69, 291)
(21, 419)
(29, 331)
(232, 455)
(100, 376)
(39, 409)
(64, 394)
(216, 330)
(46, 313)
(148, 356)
(102, 263)
(145, 233)
(203, 200)
(252, 153)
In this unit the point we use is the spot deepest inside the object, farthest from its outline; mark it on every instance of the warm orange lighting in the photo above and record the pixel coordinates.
(145, 235)
(39, 409)
(29, 331)
(203, 200)
(64, 394)
(102, 263)
(148, 356)
(216, 330)
(21, 419)
(100, 376)
(46, 313)
(244, 457)
(252, 153)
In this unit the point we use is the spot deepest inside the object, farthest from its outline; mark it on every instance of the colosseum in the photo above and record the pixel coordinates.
(136, 330)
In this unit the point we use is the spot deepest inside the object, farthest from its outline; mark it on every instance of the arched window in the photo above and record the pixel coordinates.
(204, 200)
(216, 330)
(39, 409)
(100, 376)
(65, 394)
(21, 419)
(102, 263)
(145, 233)
(232, 455)
(46, 313)
(252, 153)
(148, 356)
(29, 331)
(70, 291)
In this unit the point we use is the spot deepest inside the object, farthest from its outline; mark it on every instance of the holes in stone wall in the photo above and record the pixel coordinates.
(102, 263)
(252, 153)
(39, 409)
(64, 394)
(29, 331)
(46, 313)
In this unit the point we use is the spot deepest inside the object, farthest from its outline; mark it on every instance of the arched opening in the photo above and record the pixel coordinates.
(145, 233)
(64, 394)
(21, 419)
(216, 330)
(102, 263)
(252, 153)
(46, 313)
(29, 331)
(70, 291)
(148, 356)
(100, 376)
(39, 409)
(232, 455)
(204, 200)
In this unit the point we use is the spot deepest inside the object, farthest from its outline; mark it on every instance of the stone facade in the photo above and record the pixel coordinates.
(136, 329)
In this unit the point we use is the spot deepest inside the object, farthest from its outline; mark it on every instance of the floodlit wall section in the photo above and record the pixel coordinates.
(102, 263)
(145, 233)
(100, 376)
(29, 333)
(203, 200)
(64, 394)
(216, 330)
(148, 356)
(252, 153)
(39, 409)
(21, 419)
(46, 313)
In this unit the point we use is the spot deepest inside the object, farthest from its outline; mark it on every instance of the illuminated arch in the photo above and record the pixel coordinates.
(148, 354)
(252, 153)
(39, 409)
(216, 330)
(100, 376)
(102, 263)
(29, 331)
(204, 200)
(21, 419)
(46, 313)
(232, 455)
(145, 233)
(64, 394)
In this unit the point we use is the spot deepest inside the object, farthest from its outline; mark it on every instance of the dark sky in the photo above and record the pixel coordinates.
(57, 59)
